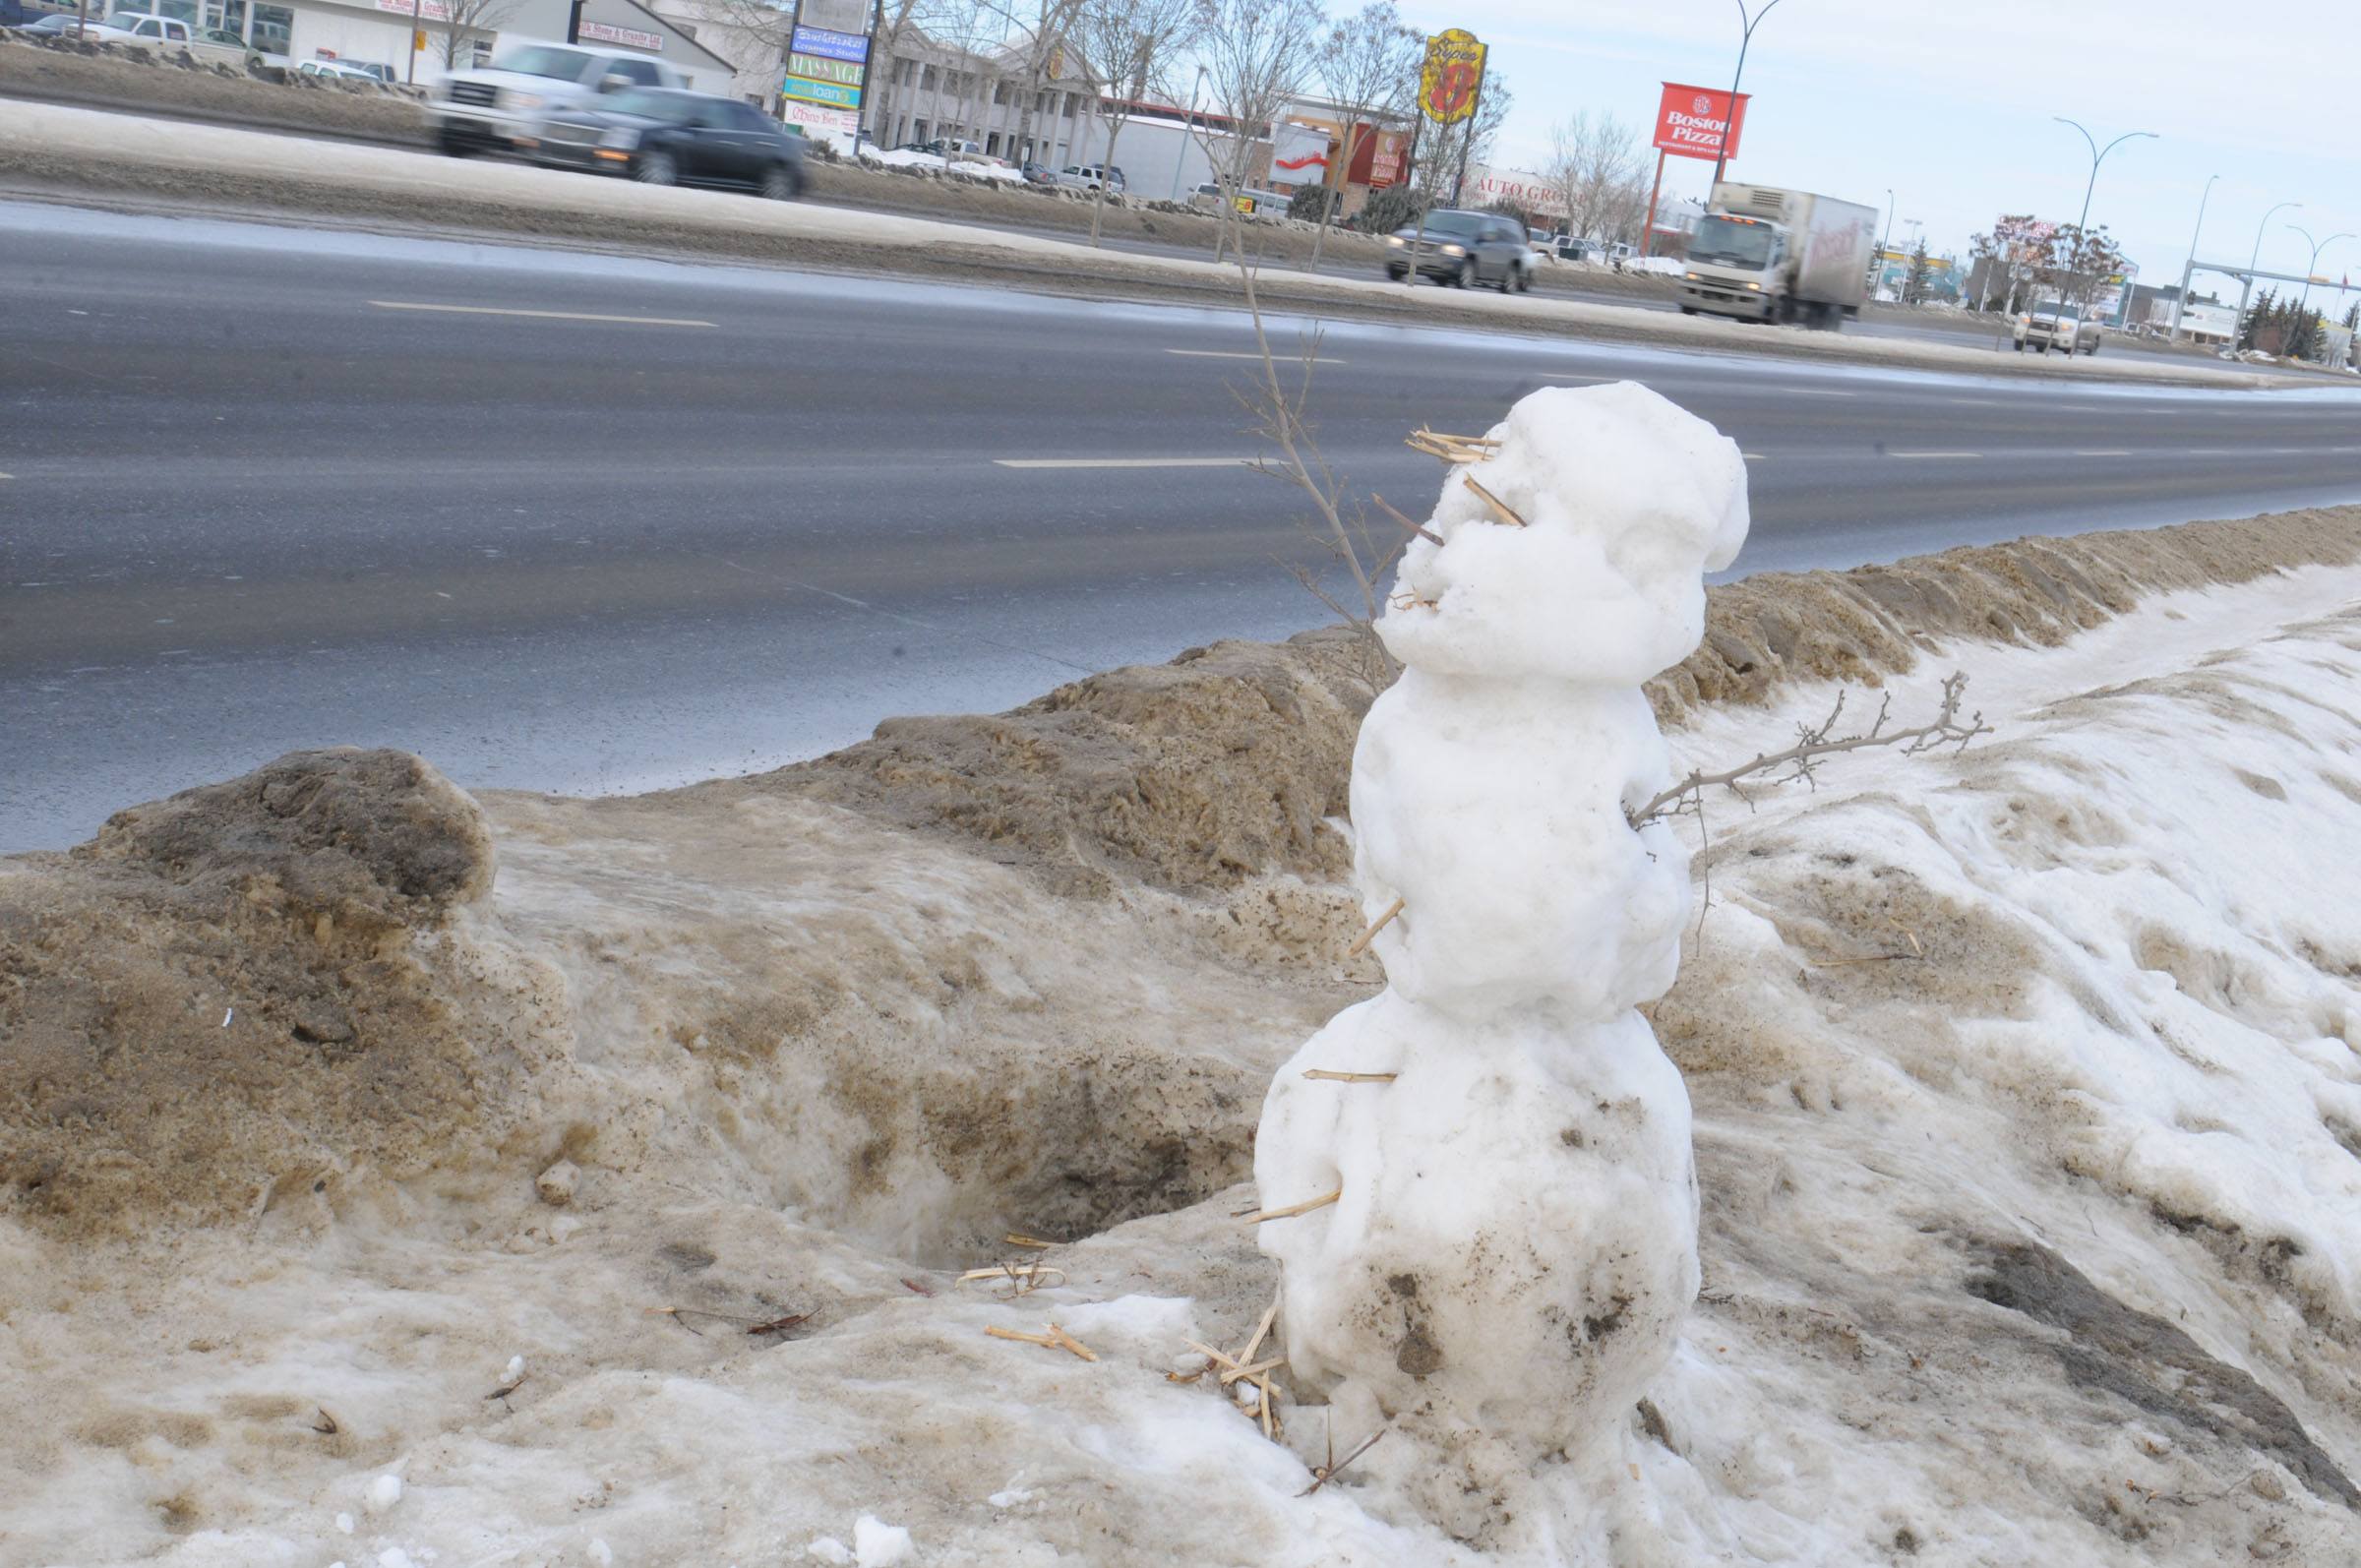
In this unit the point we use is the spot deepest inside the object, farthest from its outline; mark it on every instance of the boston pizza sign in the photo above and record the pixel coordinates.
(1691, 122)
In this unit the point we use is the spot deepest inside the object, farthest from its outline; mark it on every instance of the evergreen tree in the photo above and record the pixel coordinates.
(2250, 330)
(1913, 284)
(2352, 317)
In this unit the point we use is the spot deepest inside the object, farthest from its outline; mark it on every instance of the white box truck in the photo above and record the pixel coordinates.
(1767, 254)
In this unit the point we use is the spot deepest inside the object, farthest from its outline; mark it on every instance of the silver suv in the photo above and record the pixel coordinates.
(2056, 326)
(503, 107)
(1464, 249)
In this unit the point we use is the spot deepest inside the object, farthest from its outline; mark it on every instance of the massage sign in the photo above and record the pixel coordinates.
(1451, 82)
(826, 71)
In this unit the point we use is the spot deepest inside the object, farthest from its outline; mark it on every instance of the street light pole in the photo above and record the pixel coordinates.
(2098, 155)
(2180, 306)
(1187, 128)
(2238, 327)
(1729, 122)
(2317, 247)
(1878, 274)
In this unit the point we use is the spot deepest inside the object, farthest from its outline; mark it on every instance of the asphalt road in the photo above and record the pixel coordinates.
(577, 522)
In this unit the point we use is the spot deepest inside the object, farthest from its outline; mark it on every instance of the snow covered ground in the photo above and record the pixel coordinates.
(2027, 1104)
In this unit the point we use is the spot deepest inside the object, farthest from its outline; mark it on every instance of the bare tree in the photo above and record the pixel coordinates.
(1594, 164)
(466, 20)
(1370, 65)
(1037, 33)
(1127, 46)
(879, 91)
(1257, 54)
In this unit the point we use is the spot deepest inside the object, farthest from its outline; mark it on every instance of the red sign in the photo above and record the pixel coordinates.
(1689, 122)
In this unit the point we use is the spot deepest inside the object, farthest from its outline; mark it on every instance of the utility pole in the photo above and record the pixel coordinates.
(2180, 306)
(2247, 288)
(2098, 155)
(1730, 121)
(1467, 146)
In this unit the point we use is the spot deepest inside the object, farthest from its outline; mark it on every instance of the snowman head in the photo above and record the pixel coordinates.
(1627, 500)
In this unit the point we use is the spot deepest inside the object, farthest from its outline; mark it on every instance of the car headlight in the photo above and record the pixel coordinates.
(520, 101)
(1455, 250)
(1757, 287)
(622, 136)
(1693, 277)
(1396, 240)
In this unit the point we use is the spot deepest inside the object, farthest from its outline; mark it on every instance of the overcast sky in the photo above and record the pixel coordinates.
(1943, 104)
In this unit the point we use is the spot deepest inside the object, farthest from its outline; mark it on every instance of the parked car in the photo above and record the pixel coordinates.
(502, 107)
(1090, 176)
(348, 71)
(1574, 248)
(662, 137)
(54, 27)
(1208, 198)
(1464, 249)
(2056, 326)
(1038, 173)
(947, 148)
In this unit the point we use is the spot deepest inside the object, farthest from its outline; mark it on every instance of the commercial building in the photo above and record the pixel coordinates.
(423, 39)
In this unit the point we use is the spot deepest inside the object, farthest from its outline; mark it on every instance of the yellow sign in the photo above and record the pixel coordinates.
(1452, 78)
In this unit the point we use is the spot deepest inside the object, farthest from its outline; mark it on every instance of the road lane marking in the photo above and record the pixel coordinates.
(1818, 392)
(1934, 454)
(1976, 402)
(1224, 353)
(538, 315)
(1126, 463)
(2103, 451)
(1753, 457)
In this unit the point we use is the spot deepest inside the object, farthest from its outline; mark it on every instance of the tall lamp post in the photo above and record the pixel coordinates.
(2317, 247)
(1877, 273)
(2098, 155)
(2180, 305)
(2238, 327)
(1187, 123)
(1751, 23)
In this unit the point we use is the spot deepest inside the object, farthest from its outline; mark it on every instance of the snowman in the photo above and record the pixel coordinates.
(1512, 1237)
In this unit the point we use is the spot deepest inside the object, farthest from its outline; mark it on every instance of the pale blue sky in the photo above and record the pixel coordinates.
(1945, 104)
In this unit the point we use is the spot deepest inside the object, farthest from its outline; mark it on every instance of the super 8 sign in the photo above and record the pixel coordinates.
(1452, 77)
(1689, 121)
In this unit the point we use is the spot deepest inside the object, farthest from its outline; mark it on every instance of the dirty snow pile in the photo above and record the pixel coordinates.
(1513, 1245)
(857, 1164)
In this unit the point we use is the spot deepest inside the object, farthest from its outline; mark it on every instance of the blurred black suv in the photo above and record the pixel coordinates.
(660, 136)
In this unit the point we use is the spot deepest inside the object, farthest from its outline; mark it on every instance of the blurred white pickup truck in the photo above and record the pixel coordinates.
(502, 107)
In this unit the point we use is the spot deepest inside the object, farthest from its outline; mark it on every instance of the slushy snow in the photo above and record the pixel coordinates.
(1515, 1242)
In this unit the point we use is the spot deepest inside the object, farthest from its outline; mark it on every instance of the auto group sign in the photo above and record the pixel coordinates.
(1690, 122)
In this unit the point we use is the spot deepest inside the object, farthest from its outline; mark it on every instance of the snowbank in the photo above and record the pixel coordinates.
(900, 158)
(2027, 1099)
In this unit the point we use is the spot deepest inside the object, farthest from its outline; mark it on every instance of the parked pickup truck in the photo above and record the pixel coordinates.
(2059, 325)
(503, 107)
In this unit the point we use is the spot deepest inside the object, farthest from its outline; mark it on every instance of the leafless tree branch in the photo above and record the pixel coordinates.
(1814, 744)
